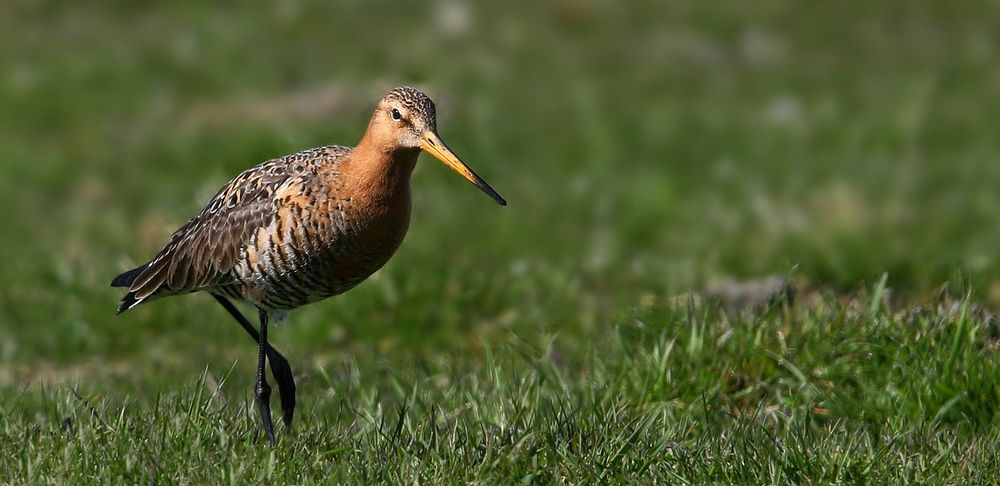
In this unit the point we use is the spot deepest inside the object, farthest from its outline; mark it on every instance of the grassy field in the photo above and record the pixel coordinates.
(647, 153)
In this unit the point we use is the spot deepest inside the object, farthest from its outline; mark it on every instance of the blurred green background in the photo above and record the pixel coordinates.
(646, 149)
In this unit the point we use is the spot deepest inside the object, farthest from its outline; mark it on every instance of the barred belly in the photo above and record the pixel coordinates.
(298, 270)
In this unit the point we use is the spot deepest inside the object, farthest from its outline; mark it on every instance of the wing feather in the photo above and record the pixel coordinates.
(203, 252)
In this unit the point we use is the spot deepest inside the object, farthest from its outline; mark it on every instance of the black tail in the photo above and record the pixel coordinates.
(125, 280)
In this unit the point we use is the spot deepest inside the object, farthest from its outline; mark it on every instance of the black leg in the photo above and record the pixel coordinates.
(262, 391)
(280, 369)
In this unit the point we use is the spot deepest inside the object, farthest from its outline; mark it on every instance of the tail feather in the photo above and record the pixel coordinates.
(125, 280)
(128, 302)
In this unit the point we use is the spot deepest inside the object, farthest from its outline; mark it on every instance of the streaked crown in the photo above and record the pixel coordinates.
(417, 103)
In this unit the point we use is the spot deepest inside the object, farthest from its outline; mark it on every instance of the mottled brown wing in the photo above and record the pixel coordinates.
(203, 252)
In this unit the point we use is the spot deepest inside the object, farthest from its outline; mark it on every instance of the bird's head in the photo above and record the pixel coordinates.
(406, 119)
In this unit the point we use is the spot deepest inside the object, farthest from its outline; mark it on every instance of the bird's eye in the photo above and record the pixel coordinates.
(396, 115)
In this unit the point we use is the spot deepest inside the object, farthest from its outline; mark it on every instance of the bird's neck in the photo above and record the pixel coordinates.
(381, 170)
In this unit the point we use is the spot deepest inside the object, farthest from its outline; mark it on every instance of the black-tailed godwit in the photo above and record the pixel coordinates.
(301, 228)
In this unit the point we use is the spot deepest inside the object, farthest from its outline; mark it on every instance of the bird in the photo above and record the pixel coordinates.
(300, 228)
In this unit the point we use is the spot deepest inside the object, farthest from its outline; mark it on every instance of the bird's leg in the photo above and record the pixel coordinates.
(262, 391)
(280, 369)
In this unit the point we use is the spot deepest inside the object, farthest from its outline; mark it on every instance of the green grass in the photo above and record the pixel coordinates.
(646, 152)
(671, 393)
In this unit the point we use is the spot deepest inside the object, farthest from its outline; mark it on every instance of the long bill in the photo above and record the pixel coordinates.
(433, 145)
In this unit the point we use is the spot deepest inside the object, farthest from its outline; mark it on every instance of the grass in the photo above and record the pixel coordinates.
(647, 152)
(672, 393)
